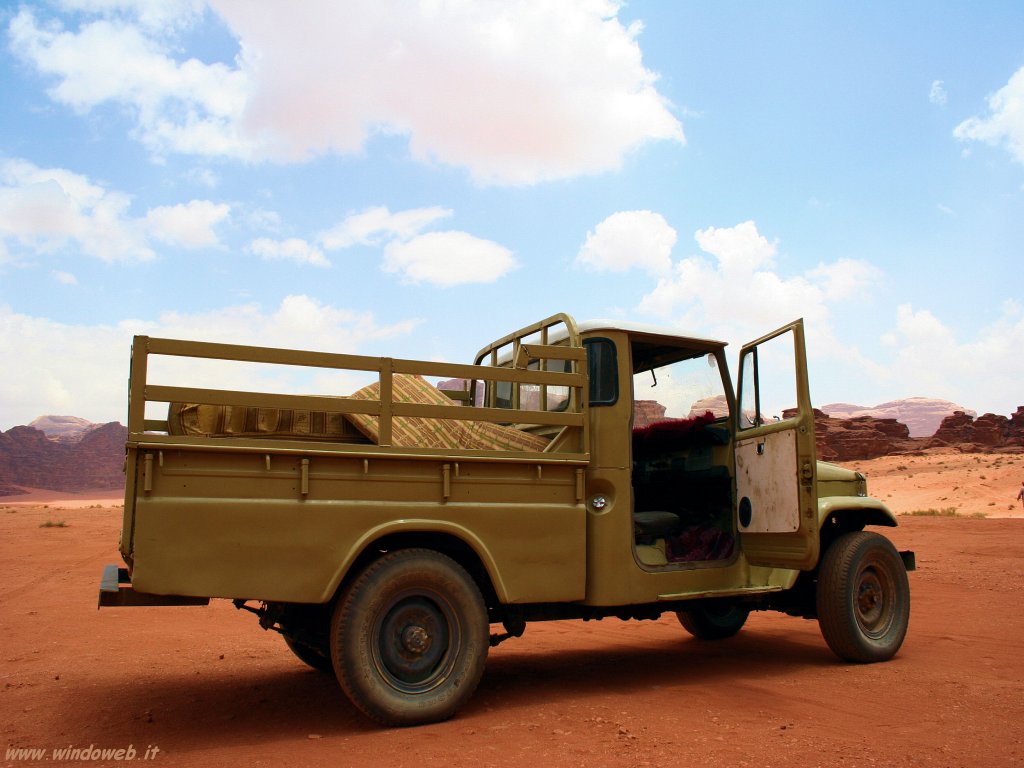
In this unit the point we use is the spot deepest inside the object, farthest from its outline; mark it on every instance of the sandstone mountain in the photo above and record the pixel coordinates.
(63, 429)
(93, 461)
(922, 415)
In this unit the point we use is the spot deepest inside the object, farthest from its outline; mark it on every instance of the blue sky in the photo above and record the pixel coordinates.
(414, 179)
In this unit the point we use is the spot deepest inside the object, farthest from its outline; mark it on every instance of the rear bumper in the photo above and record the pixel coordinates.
(116, 590)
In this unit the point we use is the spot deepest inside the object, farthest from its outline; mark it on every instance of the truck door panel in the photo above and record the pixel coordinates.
(776, 507)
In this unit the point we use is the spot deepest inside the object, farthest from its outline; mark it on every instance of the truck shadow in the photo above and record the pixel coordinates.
(522, 677)
(228, 706)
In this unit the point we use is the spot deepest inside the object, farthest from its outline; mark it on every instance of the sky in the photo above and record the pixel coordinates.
(414, 179)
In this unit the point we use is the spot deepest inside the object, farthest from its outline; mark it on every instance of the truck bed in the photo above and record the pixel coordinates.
(274, 497)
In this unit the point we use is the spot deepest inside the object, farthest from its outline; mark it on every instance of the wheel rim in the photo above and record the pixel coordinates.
(417, 642)
(873, 602)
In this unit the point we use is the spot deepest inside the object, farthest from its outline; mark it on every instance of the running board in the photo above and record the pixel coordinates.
(721, 593)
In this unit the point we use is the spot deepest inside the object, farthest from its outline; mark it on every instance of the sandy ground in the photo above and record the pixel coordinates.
(969, 483)
(206, 687)
(60, 500)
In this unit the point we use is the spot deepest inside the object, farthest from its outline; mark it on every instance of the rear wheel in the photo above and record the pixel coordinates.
(318, 659)
(863, 598)
(713, 622)
(409, 638)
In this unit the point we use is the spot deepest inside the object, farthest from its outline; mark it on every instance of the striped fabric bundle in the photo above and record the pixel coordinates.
(418, 432)
(406, 431)
(251, 421)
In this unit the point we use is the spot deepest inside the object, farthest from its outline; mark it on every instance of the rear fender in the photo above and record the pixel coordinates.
(409, 530)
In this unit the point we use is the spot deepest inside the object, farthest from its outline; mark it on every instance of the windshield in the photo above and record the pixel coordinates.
(682, 389)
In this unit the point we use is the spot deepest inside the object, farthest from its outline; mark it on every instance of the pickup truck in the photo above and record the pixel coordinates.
(573, 471)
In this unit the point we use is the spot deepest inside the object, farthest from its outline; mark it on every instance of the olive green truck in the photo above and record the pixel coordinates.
(573, 471)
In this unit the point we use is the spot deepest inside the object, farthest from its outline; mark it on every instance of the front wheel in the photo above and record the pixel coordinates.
(409, 638)
(863, 598)
(713, 622)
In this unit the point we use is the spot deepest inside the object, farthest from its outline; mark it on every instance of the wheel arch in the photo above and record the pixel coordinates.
(837, 516)
(460, 544)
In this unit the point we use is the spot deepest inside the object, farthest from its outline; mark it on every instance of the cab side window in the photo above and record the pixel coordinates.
(603, 371)
(768, 382)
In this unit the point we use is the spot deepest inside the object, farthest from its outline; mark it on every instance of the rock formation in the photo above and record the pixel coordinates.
(863, 437)
(922, 415)
(986, 433)
(647, 412)
(94, 462)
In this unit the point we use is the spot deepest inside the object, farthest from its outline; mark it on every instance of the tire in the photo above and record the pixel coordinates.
(409, 638)
(863, 598)
(318, 660)
(713, 622)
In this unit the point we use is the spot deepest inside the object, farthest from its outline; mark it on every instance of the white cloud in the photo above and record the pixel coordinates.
(263, 219)
(188, 224)
(46, 209)
(736, 294)
(292, 249)
(64, 278)
(516, 92)
(628, 239)
(179, 106)
(299, 322)
(376, 225)
(739, 250)
(988, 368)
(81, 369)
(937, 93)
(1005, 121)
(845, 278)
(165, 14)
(446, 259)
(204, 177)
(735, 291)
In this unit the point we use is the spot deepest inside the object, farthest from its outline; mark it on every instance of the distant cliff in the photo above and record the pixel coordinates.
(867, 437)
(78, 457)
(987, 432)
(922, 415)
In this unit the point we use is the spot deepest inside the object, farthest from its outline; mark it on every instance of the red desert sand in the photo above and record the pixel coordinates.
(206, 687)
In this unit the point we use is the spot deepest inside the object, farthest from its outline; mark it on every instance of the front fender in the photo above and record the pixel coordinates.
(861, 510)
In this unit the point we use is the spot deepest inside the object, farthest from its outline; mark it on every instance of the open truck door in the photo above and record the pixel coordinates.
(776, 499)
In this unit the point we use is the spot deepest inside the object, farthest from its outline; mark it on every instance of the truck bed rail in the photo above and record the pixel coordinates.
(529, 368)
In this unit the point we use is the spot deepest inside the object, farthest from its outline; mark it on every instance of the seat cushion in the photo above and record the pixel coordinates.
(655, 523)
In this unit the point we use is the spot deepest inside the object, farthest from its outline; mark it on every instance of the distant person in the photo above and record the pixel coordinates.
(1020, 493)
